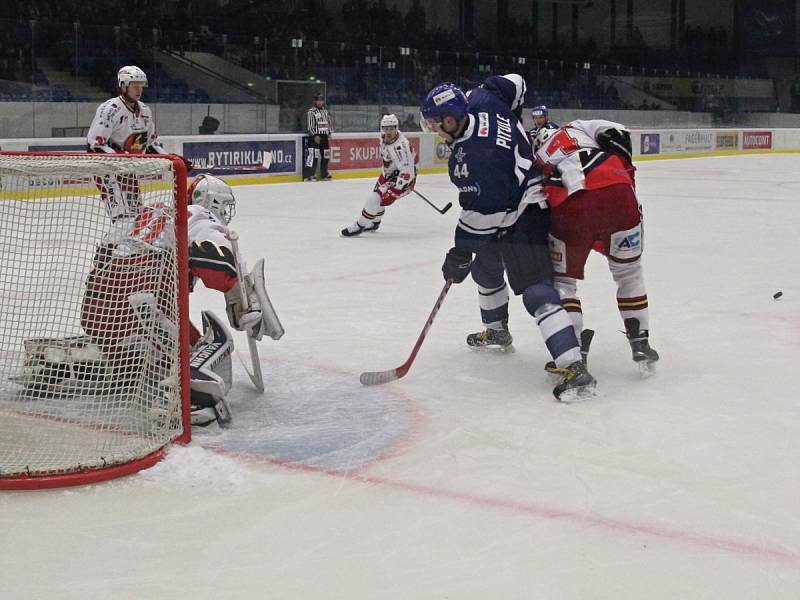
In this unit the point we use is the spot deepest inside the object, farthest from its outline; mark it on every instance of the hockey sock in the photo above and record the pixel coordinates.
(494, 306)
(372, 211)
(631, 294)
(542, 301)
(567, 288)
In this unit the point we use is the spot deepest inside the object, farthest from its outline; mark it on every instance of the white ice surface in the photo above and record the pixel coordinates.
(466, 479)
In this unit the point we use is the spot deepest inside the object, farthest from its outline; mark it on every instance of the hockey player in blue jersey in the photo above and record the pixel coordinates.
(541, 120)
(504, 220)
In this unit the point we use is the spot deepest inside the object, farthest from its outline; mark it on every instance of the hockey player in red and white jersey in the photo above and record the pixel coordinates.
(397, 180)
(115, 309)
(124, 125)
(590, 187)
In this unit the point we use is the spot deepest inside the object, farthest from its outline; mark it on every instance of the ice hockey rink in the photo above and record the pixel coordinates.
(466, 479)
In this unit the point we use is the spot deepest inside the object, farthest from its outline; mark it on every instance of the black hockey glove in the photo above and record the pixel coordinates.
(617, 141)
(456, 265)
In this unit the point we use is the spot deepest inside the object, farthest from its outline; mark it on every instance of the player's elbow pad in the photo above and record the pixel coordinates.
(616, 140)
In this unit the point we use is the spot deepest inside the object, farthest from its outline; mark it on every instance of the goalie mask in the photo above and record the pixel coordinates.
(389, 129)
(214, 194)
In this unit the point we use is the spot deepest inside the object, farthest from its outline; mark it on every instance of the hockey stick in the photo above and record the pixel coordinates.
(379, 377)
(256, 377)
(441, 211)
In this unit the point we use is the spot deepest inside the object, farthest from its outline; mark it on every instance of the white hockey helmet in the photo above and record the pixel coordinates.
(388, 121)
(214, 194)
(544, 134)
(131, 74)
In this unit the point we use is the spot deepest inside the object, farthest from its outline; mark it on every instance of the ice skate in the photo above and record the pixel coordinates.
(357, 229)
(576, 384)
(492, 339)
(643, 355)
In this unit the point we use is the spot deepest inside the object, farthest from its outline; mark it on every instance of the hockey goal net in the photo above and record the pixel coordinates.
(93, 309)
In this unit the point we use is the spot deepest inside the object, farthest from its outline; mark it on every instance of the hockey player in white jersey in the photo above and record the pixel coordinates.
(397, 180)
(119, 305)
(590, 187)
(124, 125)
(213, 261)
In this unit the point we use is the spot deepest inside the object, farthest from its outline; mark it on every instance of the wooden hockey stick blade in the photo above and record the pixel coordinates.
(256, 376)
(447, 207)
(380, 377)
(250, 374)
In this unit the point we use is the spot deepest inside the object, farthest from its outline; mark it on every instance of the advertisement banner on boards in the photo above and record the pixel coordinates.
(680, 142)
(57, 148)
(361, 153)
(727, 141)
(756, 140)
(650, 143)
(441, 151)
(242, 158)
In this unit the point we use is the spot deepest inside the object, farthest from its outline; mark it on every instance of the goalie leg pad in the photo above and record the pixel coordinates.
(211, 371)
(71, 365)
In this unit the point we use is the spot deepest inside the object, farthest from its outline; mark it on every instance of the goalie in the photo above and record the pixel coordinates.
(131, 326)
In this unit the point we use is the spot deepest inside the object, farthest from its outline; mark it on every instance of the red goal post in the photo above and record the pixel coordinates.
(94, 330)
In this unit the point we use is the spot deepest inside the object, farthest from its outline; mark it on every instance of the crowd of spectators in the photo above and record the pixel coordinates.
(357, 52)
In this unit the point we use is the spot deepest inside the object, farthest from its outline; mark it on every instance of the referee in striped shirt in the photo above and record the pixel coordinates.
(319, 150)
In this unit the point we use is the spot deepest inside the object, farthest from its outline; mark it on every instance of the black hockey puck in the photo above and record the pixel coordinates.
(777, 295)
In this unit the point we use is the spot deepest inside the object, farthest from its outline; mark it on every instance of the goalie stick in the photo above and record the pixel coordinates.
(442, 210)
(379, 377)
(256, 377)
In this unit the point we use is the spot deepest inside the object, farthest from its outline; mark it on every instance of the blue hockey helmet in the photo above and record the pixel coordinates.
(539, 111)
(443, 100)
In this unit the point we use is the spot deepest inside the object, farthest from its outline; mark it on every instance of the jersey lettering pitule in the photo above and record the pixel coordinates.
(117, 128)
(572, 160)
(491, 164)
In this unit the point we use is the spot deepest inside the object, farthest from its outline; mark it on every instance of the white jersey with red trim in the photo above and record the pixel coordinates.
(117, 128)
(148, 228)
(398, 161)
(572, 160)
(204, 226)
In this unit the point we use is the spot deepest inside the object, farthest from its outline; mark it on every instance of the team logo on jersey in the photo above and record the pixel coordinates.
(627, 245)
(460, 154)
(483, 124)
(558, 253)
(135, 143)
